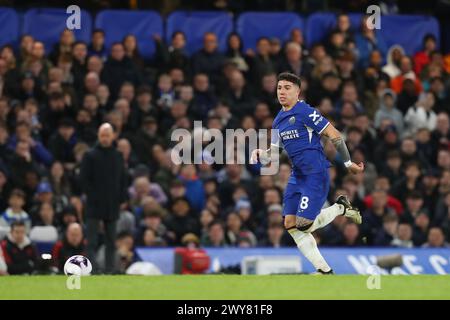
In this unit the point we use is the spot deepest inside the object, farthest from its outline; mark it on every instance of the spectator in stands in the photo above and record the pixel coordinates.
(15, 212)
(132, 51)
(59, 181)
(274, 236)
(38, 151)
(390, 142)
(409, 152)
(37, 57)
(392, 168)
(373, 217)
(25, 47)
(20, 254)
(142, 187)
(420, 229)
(393, 59)
(46, 215)
(422, 58)
(403, 237)
(239, 95)
(261, 62)
(436, 239)
(410, 182)
(208, 60)
(72, 244)
(421, 115)
(343, 25)
(215, 236)
(129, 159)
(368, 40)
(292, 60)
(204, 97)
(181, 219)
(103, 181)
(233, 228)
(124, 254)
(97, 45)
(351, 236)
(387, 234)
(79, 63)
(388, 110)
(335, 44)
(94, 64)
(235, 52)
(64, 46)
(194, 187)
(173, 55)
(118, 69)
(61, 144)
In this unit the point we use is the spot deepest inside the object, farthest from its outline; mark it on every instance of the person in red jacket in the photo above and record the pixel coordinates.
(422, 58)
(20, 254)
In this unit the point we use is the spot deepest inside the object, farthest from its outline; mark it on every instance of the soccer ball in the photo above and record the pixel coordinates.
(78, 265)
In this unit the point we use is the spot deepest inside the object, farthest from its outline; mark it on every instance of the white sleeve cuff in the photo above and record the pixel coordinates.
(320, 132)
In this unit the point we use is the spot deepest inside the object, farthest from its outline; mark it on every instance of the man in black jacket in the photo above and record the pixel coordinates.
(118, 69)
(19, 253)
(103, 181)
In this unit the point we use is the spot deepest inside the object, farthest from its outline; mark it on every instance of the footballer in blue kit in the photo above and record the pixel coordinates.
(298, 129)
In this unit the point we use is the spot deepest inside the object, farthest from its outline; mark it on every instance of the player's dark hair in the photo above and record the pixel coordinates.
(287, 76)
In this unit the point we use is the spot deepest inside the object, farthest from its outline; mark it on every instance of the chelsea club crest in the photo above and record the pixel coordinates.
(292, 120)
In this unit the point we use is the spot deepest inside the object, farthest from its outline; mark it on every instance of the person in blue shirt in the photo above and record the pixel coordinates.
(298, 128)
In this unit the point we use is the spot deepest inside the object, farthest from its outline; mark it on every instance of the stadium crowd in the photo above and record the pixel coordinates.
(392, 108)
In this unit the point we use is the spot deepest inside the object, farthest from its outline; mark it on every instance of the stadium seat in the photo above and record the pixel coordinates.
(142, 24)
(408, 31)
(9, 27)
(45, 247)
(46, 25)
(44, 234)
(195, 24)
(253, 25)
(405, 30)
(318, 25)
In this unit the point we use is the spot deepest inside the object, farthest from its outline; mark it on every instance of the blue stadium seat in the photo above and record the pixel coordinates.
(408, 31)
(46, 25)
(44, 247)
(9, 27)
(318, 25)
(195, 24)
(142, 24)
(253, 25)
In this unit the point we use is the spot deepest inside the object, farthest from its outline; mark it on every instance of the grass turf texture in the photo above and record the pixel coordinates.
(212, 287)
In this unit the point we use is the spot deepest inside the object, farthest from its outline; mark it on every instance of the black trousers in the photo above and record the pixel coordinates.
(92, 226)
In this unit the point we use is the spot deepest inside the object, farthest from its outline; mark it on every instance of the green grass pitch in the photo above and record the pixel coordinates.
(218, 287)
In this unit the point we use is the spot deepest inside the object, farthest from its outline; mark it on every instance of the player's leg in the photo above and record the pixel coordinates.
(341, 207)
(297, 227)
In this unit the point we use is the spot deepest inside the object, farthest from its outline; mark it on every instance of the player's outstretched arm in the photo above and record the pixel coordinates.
(339, 143)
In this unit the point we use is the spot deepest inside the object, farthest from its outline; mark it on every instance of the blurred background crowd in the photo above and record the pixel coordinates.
(392, 108)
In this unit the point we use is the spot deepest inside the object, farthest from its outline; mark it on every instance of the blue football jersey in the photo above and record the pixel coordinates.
(298, 132)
